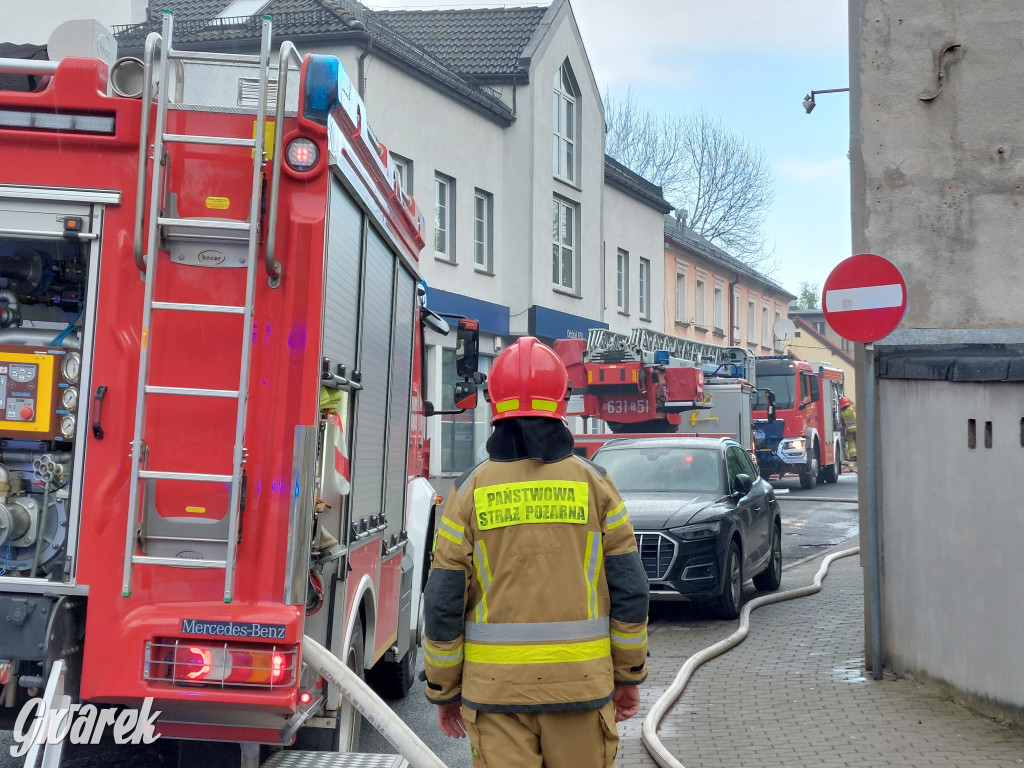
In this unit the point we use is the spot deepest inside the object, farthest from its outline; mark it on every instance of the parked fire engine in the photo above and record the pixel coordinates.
(212, 414)
(651, 382)
(796, 419)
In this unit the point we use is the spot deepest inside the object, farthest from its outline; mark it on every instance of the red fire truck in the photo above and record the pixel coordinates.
(651, 382)
(796, 419)
(212, 414)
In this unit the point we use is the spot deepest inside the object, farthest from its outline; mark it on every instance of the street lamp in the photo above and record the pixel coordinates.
(809, 98)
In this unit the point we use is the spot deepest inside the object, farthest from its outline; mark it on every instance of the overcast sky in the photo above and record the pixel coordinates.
(748, 63)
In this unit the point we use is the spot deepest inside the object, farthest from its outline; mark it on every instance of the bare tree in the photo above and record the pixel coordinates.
(723, 182)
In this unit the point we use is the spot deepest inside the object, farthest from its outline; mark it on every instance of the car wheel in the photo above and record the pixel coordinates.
(809, 473)
(393, 679)
(728, 606)
(770, 578)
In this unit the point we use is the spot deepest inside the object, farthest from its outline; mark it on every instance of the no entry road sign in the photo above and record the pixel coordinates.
(864, 298)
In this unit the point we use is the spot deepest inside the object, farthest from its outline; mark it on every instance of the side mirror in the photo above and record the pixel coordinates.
(815, 389)
(467, 349)
(743, 484)
(434, 321)
(465, 395)
(769, 397)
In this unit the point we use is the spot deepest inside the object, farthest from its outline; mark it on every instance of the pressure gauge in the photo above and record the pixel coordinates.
(72, 366)
(70, 398)
(67, 426)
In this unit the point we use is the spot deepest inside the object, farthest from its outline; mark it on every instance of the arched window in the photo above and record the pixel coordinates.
(565, 122)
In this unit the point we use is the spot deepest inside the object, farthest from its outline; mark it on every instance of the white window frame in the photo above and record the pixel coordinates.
(778, 343)
(403, 170)
(766, 331)
(444, 218)
(700, 301)
(622, 280)
(483, 231)
(718, 304)
(565, 124)
(681, 317)
(645, 288)
(752, 320)
(565, 245)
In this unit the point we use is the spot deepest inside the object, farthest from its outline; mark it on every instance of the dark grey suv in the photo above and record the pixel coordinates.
(704, 519)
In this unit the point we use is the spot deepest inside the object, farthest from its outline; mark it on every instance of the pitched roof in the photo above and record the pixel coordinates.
(679, 233)
(483, 42)
(618, 175)
(196, 24)
(830, 346)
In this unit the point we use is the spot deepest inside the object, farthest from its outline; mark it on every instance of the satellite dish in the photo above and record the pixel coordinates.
(784, 329)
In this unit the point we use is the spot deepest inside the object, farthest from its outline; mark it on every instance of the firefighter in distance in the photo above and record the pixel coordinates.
(848, 417)
(536, 603)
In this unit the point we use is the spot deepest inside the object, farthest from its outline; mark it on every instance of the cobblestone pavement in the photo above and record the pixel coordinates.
(794, 693)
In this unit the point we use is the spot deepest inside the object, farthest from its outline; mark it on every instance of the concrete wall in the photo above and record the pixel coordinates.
(937, 181)
(952, 531)
(942, 182)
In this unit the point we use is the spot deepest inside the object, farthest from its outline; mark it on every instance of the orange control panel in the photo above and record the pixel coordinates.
(29, 394)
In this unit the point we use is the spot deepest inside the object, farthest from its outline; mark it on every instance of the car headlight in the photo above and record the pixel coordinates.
(796, 444)
(698, 531)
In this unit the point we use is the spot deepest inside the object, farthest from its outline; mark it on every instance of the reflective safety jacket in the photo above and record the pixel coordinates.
(849, 417)
(537, 599)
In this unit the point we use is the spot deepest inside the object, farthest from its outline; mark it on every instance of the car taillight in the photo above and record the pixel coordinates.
(190, 662)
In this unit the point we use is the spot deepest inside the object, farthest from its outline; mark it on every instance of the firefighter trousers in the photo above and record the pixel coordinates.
(580, 738)
(851, 444)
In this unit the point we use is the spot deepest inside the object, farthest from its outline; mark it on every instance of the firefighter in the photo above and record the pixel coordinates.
(536, 603)
(848, 417)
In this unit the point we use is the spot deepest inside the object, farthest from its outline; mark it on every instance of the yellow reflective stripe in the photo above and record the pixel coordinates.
(483, 575)
(592, 569)
(544, 405)
(507, 405)
(450, 530)
(628, 639)
(538, 501)
(443, 658)
(617, 517)
(538, 654)
(443, 532)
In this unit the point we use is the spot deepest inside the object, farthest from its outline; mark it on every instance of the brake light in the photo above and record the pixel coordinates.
(220, 664)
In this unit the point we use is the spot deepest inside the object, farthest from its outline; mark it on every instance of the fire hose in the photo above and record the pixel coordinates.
(648, 732)
(376, 712)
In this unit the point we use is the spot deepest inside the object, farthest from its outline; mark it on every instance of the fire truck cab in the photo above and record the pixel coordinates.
(212, 394)
(796, 419)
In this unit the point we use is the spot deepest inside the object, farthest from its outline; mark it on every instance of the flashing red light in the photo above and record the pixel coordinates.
(688, 459)
(302, 154)
(228, 664)
(199, 663)
(305, 697)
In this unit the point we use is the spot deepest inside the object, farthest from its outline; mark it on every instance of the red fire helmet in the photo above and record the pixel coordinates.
(844, 401)
(527, 379)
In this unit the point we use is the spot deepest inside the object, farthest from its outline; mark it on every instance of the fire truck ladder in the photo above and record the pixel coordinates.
(639, 346)
(146, 525)
(603, 343)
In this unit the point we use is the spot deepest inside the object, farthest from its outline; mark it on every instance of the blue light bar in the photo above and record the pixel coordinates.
(323, 78)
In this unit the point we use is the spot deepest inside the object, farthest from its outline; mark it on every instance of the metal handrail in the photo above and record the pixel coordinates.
(286, 56)
(140, 185)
